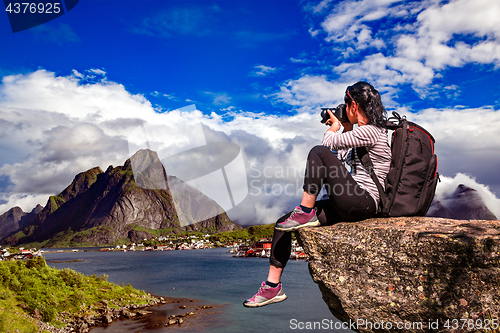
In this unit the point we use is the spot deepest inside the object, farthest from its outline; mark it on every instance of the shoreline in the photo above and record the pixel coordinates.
(151, 315)
(160, 313)
(120, 303)
(181, 314)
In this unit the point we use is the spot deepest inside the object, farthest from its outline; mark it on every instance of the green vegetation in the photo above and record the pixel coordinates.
(70, 238)
(13, 317)
(125, 172)
(254, 233)
(55, 202)
(32, 284)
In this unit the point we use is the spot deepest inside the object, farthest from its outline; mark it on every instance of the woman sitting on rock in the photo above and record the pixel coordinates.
(353, 196)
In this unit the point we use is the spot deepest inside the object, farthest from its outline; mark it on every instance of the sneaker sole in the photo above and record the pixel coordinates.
(275, 299)
(308, 224)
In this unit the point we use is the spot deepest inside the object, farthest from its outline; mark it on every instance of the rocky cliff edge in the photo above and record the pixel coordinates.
(408, 270)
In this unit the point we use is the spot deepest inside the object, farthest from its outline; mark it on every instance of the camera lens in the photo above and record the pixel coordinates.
(324, 115)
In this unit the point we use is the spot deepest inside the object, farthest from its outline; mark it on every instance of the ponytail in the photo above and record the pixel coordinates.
(368, 98)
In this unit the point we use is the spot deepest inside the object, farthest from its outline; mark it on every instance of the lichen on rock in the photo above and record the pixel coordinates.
(407, 270)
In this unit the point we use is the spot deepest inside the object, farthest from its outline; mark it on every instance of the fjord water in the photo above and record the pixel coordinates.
(214, 277)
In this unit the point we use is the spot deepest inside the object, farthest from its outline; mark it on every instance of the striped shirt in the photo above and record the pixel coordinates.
(376, 142)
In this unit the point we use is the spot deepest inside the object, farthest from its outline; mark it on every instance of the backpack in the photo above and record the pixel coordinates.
(411, 182)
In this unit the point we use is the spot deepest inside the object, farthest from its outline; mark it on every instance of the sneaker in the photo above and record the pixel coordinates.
(298, 219)
(266, 295)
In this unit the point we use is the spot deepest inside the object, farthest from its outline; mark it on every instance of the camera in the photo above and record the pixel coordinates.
(339, 112)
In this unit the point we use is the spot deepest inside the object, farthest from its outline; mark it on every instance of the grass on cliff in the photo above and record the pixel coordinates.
(70, 238)
(12, 316)
(32, 284)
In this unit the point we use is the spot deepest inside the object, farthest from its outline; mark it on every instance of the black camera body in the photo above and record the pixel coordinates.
(339, 112)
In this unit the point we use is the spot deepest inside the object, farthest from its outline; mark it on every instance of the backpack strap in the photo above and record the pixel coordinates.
(368, 164)
(395, 121)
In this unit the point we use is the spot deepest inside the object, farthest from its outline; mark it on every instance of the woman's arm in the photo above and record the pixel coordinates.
(362, 136)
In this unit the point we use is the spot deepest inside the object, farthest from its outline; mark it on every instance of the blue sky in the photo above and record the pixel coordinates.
(255, 73)
(200, 51)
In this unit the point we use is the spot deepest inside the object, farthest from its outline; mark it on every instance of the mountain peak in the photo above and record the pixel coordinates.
(465, 203)
(37, 209)
(148, 170)
(464, 190)
(102, 208)
(81, 183)
(141, 160)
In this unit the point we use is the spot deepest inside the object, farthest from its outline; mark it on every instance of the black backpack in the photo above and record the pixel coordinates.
(411, 182)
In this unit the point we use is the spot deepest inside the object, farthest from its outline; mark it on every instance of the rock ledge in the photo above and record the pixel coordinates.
(408, 269)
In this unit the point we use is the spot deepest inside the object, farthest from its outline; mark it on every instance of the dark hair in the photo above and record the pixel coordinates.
(368, 98)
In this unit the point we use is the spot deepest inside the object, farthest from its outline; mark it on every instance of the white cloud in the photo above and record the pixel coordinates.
(262, 70)
(386, 72)
(434, 42)
(312, 91)
(295, 60)
(409, 42)
(49, 137)
(97, 71)
(348, 22)
(478, 17)
(59, 126)
(467, 141)
(26, 202)
(219, 98)
(319, 7)
(109, 100)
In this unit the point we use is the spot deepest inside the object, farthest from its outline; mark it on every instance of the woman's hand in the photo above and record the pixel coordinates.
(333, 122)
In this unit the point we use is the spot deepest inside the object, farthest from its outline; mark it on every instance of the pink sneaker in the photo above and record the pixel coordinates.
(298, 219)
(266, 295)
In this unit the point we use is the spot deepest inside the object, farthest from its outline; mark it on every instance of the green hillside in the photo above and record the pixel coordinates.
(254, 233)
(58, 295)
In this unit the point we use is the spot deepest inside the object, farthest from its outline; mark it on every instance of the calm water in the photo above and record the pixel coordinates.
(212, 276)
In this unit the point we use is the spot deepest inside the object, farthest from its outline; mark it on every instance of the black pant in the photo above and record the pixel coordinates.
(348, 202)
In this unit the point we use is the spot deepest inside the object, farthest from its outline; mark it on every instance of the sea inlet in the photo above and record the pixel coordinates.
(211, 277)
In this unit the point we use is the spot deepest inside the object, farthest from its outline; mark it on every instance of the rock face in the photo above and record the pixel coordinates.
(407, 270)
(16, 219)
(464, 204)
(100, 208)
(9, 221)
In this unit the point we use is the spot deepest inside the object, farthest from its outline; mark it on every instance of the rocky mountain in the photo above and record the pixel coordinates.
(463, 204)
(16, 219)
(129, 201)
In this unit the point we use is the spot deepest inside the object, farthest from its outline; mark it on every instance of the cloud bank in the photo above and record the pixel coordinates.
(54, 127)
(391, 43)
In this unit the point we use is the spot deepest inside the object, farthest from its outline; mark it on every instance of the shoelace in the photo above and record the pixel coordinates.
(258, 292)
(261, 289)
(295, 211)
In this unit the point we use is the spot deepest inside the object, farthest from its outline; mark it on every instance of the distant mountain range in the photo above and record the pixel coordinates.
(16, 219)
(105, 208)
(463, 204)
